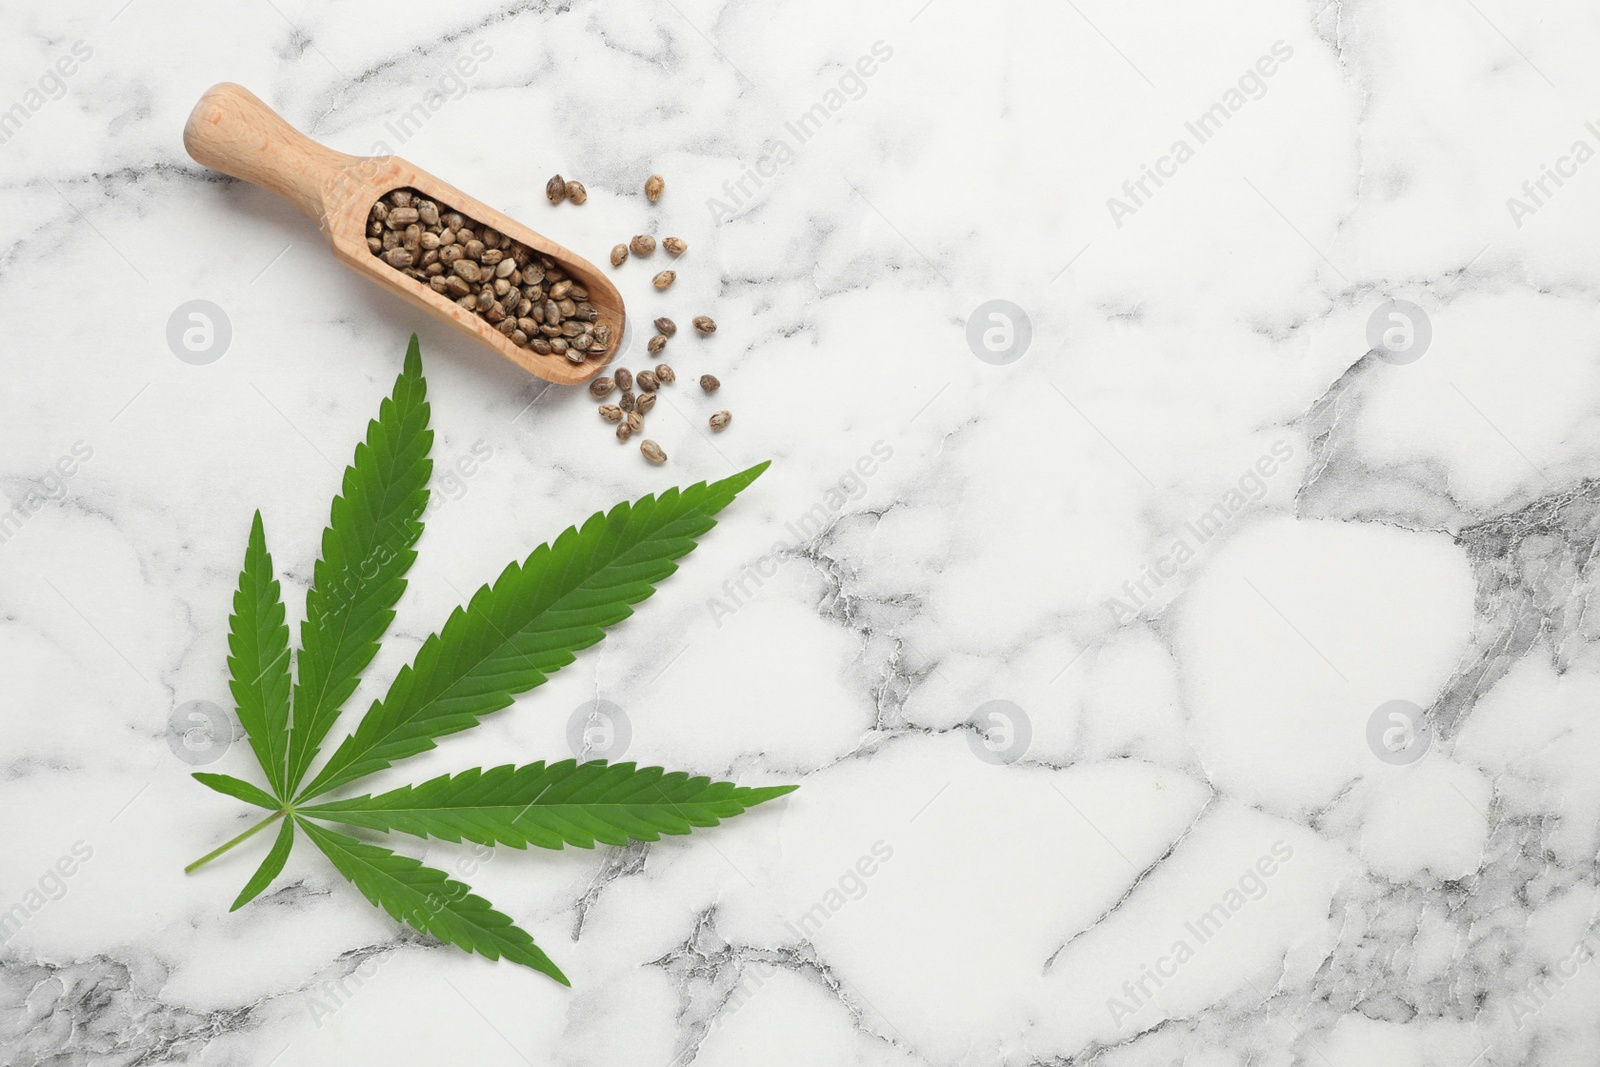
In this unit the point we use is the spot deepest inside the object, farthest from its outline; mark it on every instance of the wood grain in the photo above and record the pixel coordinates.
(232, 131)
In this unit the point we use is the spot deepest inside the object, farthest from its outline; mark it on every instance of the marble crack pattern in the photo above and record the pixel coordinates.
(1139, 878)
(714, 979)
(97, 1010)
(1535, 578)
(619, 863)
(91, 1010)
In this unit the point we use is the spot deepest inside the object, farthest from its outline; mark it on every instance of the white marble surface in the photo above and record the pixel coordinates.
(1416, 531)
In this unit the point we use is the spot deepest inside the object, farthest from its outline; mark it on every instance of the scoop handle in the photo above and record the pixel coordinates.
(231, 130)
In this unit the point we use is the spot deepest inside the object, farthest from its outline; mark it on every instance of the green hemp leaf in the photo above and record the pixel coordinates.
(512, 635)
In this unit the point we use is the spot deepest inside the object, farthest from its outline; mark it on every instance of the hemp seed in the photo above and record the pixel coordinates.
(624, 378)
(665, 374)
(527, 297)
(576, 192)
(555, 189)
(652, 452)
(657, 343)
(654, 186)
(709, 383)
(642, 244)
(666, 326)
(675, 245)
(601, 386)
(664, 279)
(705, 324)
(720, 420)
(619, 255)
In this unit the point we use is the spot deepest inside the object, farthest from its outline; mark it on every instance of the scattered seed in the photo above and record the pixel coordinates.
(645, 402)
(652, 452)
(720, 420)
(576, 192)
(654, 186)
(619, 255)
(664, 279)
(611, 412)
(628, 403)
(665, 374)
(705, 324)
(666, 326)
(647, 381)
(555, 189)
(676, 245)
(624, 431)
(601, 386)
(624, 378)
(709, 383)
(642, 244)
(635, 421)
(657, 343)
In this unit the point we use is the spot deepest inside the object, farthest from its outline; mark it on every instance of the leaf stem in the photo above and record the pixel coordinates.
(220, 849)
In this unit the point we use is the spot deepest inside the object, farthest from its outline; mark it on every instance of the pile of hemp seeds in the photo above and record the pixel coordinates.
(524, 295)
(530, 299)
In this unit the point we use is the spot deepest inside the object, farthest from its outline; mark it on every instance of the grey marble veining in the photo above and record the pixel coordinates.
(1171, 590)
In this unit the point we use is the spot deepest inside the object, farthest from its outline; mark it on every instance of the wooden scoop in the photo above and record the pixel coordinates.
(231, 130)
